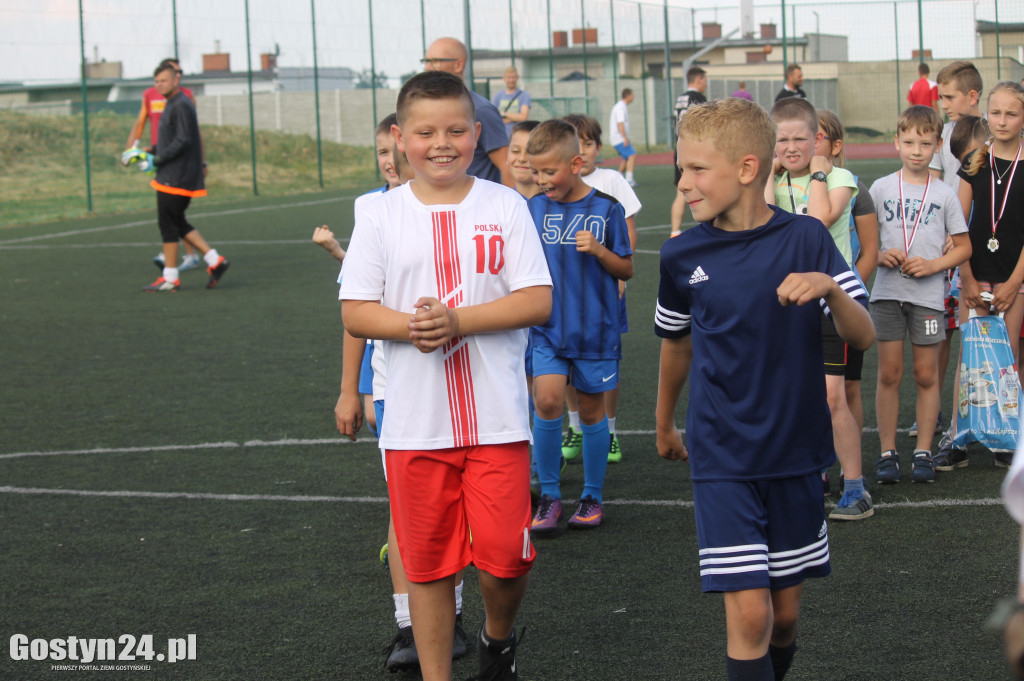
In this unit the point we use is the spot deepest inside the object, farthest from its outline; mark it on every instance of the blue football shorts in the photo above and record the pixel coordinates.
(625, 150)
(588, 375)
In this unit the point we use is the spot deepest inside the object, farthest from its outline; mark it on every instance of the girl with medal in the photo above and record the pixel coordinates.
(991, 182)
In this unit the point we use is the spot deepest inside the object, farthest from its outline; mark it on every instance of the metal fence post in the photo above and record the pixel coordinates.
(668, 69)
(551, 60)
(999, 60)
(615, 51)
(896, 32)
(373, 84)
(85, 108)
(785, 57)
(643, 75)
(316, 96)
(586, 77)
(511, 36)
(252, 118)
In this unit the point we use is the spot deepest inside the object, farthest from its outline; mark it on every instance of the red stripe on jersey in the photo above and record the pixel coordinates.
(458, 375)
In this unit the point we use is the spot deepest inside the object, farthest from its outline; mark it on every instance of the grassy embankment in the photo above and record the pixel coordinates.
(42, 162)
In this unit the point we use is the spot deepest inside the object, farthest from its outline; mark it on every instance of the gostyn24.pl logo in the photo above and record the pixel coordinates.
(125, 648)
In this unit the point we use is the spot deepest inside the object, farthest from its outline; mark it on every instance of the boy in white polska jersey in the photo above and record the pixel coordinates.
(453, 325)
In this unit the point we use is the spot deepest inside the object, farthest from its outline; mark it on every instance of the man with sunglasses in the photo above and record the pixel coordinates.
(490, 157)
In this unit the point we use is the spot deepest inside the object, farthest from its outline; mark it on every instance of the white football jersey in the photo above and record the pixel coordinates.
(473, 390)
(614, 184)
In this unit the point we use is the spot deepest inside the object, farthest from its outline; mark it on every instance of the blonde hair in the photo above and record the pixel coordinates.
(833, 127)
(980, 157)
(736, 127)
(554, 135)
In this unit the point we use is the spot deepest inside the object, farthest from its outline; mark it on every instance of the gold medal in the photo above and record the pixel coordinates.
(993, 244)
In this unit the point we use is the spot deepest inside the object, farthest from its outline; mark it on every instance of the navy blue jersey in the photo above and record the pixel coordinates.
(757, 407)
(584, 322)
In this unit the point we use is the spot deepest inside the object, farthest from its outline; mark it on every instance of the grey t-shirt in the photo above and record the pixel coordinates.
(944, 159)
(941, 216)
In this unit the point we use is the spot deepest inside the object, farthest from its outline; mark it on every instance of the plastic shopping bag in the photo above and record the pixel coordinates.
(989, 393)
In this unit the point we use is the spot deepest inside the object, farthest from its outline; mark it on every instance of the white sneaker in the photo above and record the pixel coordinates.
(159, 260)
(189, 262)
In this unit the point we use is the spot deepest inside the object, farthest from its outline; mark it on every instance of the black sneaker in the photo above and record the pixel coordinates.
(948, 456)
(401, 654)
(499, 663)
(459, 647)
(217, 271)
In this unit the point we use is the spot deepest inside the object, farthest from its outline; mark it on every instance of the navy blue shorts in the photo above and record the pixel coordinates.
(760, 534)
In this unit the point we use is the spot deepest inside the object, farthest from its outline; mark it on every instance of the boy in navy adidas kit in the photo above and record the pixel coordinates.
(758, 421)
(586, 243)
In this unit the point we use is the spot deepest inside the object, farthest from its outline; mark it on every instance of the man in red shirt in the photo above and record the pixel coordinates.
(924, 91)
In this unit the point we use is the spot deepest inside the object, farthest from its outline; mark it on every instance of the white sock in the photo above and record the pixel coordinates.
(211, 257)
(458, 597)
(611, 424)
(171, 273)
(402, 610)
(629, 175)
(574, 421)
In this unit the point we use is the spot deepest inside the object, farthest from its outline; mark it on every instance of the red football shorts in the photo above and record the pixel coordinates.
(439, 496)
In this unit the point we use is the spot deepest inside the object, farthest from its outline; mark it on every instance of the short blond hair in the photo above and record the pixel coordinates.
(736, 127)
(554, 135)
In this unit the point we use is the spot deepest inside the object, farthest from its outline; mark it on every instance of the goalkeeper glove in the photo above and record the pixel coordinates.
(130, 154)
(146, 163)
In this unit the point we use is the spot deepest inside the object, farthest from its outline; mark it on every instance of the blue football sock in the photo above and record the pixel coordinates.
(853, 485)
(749, 670)
(596, 439)
(547, 454)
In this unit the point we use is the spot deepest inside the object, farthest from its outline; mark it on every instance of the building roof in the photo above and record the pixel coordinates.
(599, 50)
(1004, 26)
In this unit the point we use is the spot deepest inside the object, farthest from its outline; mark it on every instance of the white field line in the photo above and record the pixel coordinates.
(290, 442)
(152, 221)
(205, 496)
(287, 442)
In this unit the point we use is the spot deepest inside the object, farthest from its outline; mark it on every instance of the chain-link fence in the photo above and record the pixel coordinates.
(330, 70)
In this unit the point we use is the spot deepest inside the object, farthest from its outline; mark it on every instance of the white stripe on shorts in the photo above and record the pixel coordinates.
(798, 559)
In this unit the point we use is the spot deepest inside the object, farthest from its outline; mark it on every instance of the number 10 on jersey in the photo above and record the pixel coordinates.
(490, 253)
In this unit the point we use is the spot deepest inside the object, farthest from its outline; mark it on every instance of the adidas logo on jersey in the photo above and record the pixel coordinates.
(698, 275)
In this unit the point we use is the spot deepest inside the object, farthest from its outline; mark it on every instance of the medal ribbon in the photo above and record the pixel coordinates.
(903, 213)
(992, 188)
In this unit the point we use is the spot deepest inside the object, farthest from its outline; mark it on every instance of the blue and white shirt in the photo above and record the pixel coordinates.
(584, 322)
(757, 407)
